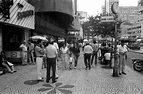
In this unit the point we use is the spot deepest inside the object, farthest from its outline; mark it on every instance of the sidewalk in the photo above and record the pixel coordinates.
(98, 80)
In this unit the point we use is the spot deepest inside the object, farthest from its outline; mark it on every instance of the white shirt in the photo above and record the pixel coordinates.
(121, 49)
(56, 45)
(51, 51)
(71, 59)
(88, 49)
(107, 56)
(64, 50)
(23, 47)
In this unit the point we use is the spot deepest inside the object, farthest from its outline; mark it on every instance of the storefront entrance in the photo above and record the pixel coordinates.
(12, 39)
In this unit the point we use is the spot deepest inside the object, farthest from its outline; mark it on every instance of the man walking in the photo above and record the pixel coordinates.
(24, 52)
(39, 52)
(94, 54)
(87, 55)
(122, 50)
(51, 54)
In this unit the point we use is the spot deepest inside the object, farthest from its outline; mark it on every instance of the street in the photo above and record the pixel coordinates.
(98, 80)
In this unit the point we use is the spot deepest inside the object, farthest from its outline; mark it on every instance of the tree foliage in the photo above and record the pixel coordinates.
(95, 27)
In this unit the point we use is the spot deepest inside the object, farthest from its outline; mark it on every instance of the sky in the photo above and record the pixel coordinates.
(93, 7)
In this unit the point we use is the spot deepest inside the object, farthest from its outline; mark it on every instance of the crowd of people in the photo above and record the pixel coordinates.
(46, 55)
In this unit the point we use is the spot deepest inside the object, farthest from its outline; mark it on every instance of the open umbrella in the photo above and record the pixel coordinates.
(35, 38)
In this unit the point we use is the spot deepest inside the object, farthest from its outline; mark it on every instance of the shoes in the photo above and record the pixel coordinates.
(40, 79)
(123, 73)
(74, 67)
(119, 73)
(54, 81)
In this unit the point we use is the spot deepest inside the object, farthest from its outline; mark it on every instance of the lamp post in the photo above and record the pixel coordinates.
(115, 10)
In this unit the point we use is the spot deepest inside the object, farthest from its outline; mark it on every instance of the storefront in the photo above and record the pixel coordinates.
(16, 29)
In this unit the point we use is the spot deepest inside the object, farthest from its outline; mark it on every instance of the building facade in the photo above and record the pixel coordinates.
(54, 17)
(16, 28)
(130, 14)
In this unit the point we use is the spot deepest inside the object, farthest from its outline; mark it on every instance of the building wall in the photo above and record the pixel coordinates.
(130, 14)
(65, 6)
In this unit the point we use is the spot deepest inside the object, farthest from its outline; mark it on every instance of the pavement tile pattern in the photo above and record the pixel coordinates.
(98, 80)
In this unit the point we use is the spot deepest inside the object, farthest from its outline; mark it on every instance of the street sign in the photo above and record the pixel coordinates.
(107, 19)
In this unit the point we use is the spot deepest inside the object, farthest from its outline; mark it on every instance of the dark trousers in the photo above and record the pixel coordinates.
(94, 55)
(87, 60)
(51, 63)
(76, 59)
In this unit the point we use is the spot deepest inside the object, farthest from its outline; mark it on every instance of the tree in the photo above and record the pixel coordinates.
(95, 27)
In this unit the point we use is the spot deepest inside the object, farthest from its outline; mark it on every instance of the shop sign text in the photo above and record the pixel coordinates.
(25, 14)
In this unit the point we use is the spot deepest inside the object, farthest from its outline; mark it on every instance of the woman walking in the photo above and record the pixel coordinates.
(64, 56)
(76, 52)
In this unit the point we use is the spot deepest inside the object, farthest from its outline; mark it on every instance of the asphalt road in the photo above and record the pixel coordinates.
(133, 55)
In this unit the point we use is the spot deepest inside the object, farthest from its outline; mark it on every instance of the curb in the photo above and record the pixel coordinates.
(135, 51)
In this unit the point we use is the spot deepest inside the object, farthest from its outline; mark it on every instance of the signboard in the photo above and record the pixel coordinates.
(134, 30)
(107, 19)
(21, 16)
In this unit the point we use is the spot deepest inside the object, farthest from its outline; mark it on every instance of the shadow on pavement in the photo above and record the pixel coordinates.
(106, 67)
(31, 82)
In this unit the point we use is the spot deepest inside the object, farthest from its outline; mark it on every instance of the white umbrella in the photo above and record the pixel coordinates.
(39, 37)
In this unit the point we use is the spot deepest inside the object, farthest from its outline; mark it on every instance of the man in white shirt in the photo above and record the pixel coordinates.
(95, 50)
(51, 54)
(87, 55)
(24, 52)
(122, 50)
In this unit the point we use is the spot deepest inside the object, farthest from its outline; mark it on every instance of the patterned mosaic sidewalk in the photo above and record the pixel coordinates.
(98, 80)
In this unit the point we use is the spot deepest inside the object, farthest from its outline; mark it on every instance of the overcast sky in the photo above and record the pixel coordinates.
(93, 7)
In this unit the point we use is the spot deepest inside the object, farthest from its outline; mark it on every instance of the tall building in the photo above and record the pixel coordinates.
(130, 14)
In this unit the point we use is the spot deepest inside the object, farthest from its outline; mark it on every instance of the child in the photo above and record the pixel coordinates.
(108, 58)
(71, 59)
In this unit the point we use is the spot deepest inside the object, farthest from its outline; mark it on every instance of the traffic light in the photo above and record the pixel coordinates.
(5, 8)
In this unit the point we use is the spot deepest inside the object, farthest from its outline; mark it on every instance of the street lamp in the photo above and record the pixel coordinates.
(115, 10)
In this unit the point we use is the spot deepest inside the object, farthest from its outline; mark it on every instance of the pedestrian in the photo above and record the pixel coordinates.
(76, 53)
(107, 58)
(30, 52)
(39, 52)
(94, 54)
(64, 56)
(122, 50)
(71, 60)
(24, 52)
(6, 64)
(87, 55)
(57, 47)
(51, 54)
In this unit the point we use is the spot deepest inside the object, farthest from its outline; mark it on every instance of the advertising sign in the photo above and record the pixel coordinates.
(134, 30)
(107, 19)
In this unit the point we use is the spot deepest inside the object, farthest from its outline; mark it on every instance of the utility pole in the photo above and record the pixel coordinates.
(116, 67)
(115, 10)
